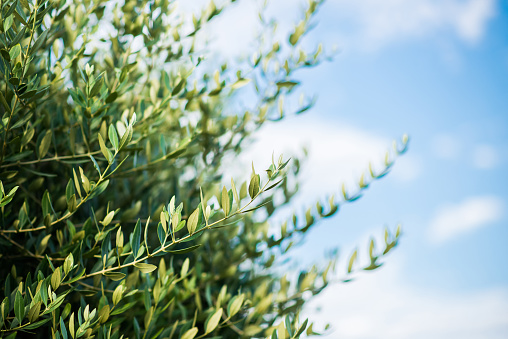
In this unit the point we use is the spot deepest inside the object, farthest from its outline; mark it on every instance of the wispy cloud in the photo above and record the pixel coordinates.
(470, 214)
(382, 306)
(375, 23)
(358, 24)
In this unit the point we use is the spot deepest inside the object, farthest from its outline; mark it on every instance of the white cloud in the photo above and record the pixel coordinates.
(382, 306)
(485, 157)
(362, 24)
(472, 213)
(472, 17)
(375, 23)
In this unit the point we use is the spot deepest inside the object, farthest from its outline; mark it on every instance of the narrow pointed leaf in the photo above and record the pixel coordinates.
(145, 268)
(136, 238)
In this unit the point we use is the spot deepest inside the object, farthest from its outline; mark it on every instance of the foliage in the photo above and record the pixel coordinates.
(111, 155)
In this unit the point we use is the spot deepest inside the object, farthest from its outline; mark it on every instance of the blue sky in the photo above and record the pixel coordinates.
(437, 70)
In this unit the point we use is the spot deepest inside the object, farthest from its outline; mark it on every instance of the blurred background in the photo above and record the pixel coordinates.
(437, 70)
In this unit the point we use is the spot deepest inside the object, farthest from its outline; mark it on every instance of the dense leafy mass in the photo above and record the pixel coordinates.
(115, 220)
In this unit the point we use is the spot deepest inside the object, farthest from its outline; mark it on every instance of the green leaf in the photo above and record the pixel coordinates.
(213, 321)
(287, 322)
(47, 207)
(5, 55)
(5, 306)
(373, 265)
(8, 23)
(71, 324)
(254, 186)
(235, 193)
(190, 334)
(45, 143)
(115, 276)
(225, 201)
(240, 83)
(234, 305)
(37, 324)
(252, 330)
(192, 222)
(287, 84)
(38, 43)
(178, 87)
(21, 18)
(371, 249)
(96, 87)
(72, 204)
(104, 314)
(274, 185)
(76, 277)
(117, 294)
(43, 244)
(105, 151)
(112, 97)
(63, 329)
(351, 261)
(145, 268)
(68, 263)
(185, 268)
(123, 308)
(77, 97)
(25, 4)
(281, 167)
(14, 81)
(15, 51)
(95, 164)
(33, 313)
(126, 137)
(257, 207)
(11, 8)
(184, 250)
(135, 240)
(28, 94)
(113, 136)
(301, 329)
(99, 188)
(4, 102)
(76, 183)
(295, 36)
(56, 278)
(56, 303)
(175, 220)
(19, 307)
(84, 180)
(181, 225)
(69, 190)
(108, 218)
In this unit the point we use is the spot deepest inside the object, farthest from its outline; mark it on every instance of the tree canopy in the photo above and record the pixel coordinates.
(116, 219)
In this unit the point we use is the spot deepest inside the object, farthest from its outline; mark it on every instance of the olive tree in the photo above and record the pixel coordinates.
(116, 219)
